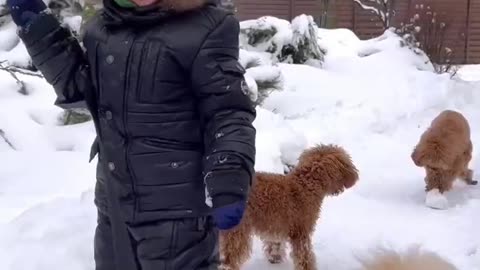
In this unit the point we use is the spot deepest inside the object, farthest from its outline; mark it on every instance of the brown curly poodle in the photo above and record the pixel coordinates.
(413, 260)
(444, 151)
(285, 208)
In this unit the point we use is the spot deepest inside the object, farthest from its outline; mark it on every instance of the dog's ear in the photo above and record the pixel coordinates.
(433, 154)
(348, 172)
(350, 176)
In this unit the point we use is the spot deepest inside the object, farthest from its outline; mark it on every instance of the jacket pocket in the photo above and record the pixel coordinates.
(233, 75)
(159, 75)
(232, 67)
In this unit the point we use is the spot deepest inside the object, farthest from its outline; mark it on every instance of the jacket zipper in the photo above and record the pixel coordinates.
(131, 41)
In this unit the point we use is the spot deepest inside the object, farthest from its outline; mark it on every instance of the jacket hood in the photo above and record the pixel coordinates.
(141, 16)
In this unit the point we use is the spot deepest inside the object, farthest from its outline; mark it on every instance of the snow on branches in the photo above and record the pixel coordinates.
(383, 9)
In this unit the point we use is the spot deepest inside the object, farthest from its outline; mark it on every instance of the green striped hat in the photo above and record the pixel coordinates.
(125, 3)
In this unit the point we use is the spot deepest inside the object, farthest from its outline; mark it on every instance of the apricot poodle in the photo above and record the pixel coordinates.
(444, 150)
(285, 208)
(412, 260)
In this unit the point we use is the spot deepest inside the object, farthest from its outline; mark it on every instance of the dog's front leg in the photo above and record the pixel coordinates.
(302, 251)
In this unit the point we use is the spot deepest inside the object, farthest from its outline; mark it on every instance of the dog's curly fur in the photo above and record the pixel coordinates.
(412, 260)
(444, 150)
(285, 208)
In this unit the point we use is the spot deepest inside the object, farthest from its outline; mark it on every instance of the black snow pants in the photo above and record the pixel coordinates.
(183, 244)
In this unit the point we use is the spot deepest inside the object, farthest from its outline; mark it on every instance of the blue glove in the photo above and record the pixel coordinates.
(24, 11)
(228, 216)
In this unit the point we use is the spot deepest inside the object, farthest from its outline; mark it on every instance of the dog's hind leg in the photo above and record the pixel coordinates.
(302, 251)
(275, 251)
(467, 176)
(235, 247)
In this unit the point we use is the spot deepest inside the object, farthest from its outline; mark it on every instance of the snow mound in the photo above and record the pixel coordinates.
(51, 242)
(436, 200)
(286, 42)
(278, 142)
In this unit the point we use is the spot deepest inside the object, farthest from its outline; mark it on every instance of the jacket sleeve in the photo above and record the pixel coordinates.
(59, 57)
(227, 114)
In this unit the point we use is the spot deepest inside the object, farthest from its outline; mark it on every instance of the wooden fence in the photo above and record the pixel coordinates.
(462, 17)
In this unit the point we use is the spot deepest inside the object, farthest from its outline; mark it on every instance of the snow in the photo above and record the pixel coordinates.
(8, 36)
(74, 23)
(249, 58)
(436, 200)
(374, 98)
(264, 73)
(282, 34)
(12, 49)
(469, 73)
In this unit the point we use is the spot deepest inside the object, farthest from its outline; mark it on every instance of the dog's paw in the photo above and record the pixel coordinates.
(275, 252)
(275, 259)
(436, 200)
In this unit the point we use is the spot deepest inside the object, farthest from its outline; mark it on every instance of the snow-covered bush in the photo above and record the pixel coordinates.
(423, 32)
(305, 42)
(286, 42)
(3, 13)
(426, 31)
(262, 76)
(15, 60)
(392, 43)
(266, 34)
(75, 13)
(65, 8)
(267, 79)
(267, 41)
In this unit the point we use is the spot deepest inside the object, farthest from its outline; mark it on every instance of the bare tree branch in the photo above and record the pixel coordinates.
(23, 71)
(383, 9)
(2, 134)
(13, 70)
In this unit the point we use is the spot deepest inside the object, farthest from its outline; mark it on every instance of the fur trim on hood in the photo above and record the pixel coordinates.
(181, 5)
(116, 16)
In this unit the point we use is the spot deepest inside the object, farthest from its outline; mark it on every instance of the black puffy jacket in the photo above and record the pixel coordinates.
(169, 103)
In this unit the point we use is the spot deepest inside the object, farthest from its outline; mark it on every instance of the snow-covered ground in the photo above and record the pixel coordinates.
(375, 106)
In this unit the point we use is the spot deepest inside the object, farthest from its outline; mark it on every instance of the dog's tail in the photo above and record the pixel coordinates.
(413, 259)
